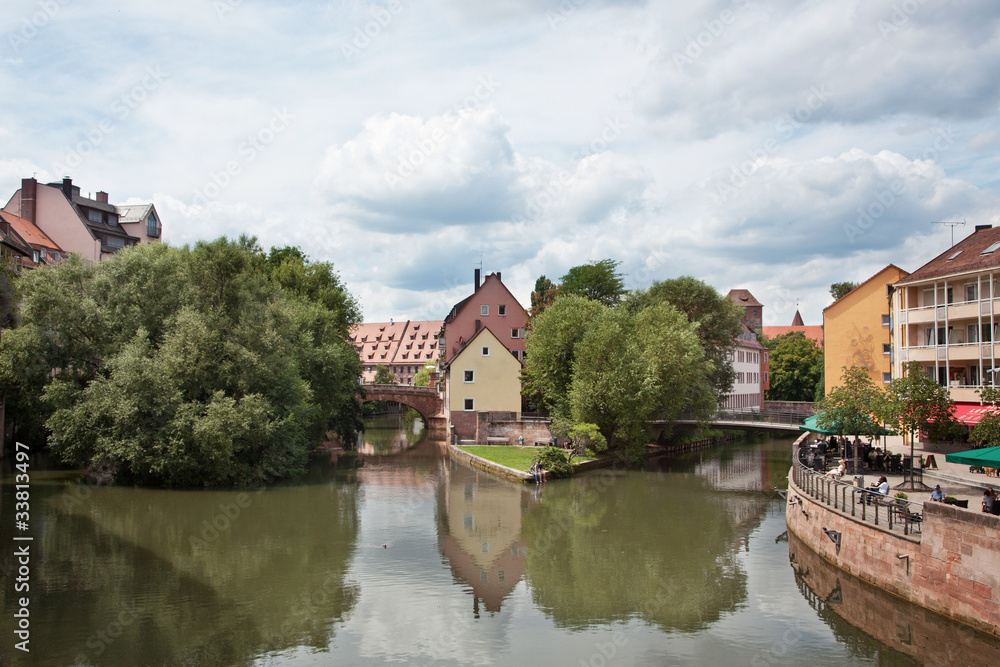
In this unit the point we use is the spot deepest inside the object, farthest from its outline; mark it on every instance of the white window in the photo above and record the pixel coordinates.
(886, 348)
(469, 377)
(484, 310)
(35, 257)
(515, 333)
(470, 404)
(486, 351)
(970, 292)
(45, 254)
(973, 332)
(502, 310)
(514, 352)
(886, 320)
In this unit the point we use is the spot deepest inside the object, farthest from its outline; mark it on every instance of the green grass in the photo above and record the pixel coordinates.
(518, 458)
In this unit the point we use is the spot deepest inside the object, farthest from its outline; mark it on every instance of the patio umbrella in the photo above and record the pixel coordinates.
(987, 457)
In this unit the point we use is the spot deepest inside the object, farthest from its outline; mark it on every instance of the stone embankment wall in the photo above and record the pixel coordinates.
(952, 566)
(897, 623)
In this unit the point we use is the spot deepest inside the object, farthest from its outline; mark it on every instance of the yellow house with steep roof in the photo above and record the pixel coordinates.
(483, 376)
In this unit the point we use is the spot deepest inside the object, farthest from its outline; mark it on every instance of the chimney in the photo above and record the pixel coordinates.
(102, 197)
(980, 228)
(29, 187)
(67, 188)
(477, 278)
(498, 275)
(479, 325)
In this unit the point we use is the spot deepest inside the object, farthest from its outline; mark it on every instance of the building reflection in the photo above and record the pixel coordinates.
(481, 533)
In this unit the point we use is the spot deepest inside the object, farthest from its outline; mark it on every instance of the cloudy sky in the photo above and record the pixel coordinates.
(774, 145)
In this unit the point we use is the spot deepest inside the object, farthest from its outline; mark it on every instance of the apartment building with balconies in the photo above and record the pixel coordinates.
(946, 317)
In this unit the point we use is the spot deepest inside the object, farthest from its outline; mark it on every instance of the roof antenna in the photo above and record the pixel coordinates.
(952, 225)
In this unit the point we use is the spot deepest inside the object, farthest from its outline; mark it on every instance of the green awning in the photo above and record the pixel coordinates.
(987, 457)
(810, 424)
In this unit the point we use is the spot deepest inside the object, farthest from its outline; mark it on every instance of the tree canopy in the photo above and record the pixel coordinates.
(185, 366)
(796, 368)
(838, 290)
(617, 369)
(915, 401)
(718, 320)
(383, 375)
(597, 280)
(855, 407)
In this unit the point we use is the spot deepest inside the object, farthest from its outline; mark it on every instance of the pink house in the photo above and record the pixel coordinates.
(491, 305)
(91, 228)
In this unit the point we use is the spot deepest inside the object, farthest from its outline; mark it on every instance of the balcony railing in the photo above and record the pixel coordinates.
(892, 514)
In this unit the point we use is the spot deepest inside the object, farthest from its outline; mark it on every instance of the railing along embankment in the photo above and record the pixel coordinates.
(893, 514)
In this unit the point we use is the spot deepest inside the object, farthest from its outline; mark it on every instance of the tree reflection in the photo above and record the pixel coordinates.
(145, 577)
(614, 546)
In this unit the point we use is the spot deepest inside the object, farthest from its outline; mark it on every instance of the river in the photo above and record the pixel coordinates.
(399, 554)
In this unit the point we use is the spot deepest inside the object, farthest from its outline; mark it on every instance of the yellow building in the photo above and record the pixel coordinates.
(482, 377)
(858, 330)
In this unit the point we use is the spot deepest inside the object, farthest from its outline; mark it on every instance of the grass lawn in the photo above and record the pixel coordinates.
(518, 458)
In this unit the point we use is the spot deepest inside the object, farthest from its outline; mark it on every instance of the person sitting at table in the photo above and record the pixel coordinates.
(989, 500)
(879, 459)
(839, 471)
(937, 494)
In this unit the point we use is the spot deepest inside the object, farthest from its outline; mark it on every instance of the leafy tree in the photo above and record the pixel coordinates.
(915, 401)
(551, 349)
(542, 297)
(422, 378)
(629, 368)
(181, 366)
(796, 365)
(598, 280)
(838, 290)
(383, 375)
(583, 436)
(987, 432)
(855, 406)
(718, 319)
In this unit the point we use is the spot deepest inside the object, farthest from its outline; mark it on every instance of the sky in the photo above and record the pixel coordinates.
(774, 145)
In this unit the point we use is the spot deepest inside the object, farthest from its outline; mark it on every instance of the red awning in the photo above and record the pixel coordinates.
(971, 413)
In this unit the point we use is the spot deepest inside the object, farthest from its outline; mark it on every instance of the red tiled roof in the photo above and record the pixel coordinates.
(28, 231)
(967, 255)
(813, 331)
(797, 320)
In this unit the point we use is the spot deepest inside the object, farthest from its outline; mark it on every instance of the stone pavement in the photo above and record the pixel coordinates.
(955, 479)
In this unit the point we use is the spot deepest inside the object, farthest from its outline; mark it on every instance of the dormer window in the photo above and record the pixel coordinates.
(95, 216)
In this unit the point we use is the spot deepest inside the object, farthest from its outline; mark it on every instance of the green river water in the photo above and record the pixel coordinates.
(398, 554)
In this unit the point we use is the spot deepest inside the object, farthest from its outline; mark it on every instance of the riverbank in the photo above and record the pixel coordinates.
(947, 562)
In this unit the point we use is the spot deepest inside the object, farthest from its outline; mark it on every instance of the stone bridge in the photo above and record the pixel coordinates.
(425, 400)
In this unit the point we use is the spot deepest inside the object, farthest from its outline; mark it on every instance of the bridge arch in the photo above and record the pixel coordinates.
(425, 400)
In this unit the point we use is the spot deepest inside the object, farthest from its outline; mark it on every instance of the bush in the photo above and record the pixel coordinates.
(554, 460)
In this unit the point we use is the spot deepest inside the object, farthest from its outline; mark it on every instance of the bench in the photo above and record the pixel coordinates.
(496, 440)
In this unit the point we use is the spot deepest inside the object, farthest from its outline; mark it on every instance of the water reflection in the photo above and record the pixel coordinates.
(390, 434)
(481, 533)
(129, 576)
(847, 603)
